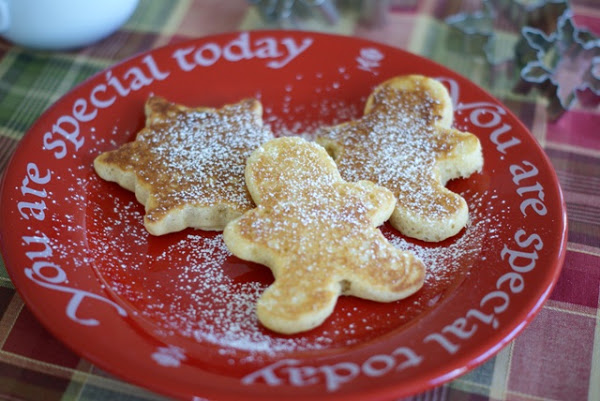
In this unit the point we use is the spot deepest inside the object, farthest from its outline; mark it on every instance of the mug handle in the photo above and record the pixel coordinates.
(4, 16)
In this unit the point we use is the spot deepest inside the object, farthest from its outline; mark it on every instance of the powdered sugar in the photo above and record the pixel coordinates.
(187, 285)
(322, 111)
(190, 157)
(396, 145)
(463, 250)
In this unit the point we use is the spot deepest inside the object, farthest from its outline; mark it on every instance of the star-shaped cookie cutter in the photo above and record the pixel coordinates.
(564, 65)
(475, 33)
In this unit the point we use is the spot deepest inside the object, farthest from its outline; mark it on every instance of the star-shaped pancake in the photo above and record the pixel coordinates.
(187, 164)
(318, 234)
(405, 142)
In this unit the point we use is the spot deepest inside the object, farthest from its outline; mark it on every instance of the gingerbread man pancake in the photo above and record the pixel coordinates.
(405, 142)
(318, 234)
(187, 164)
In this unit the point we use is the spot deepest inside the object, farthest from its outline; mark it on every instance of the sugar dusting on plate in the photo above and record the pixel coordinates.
(188, 285)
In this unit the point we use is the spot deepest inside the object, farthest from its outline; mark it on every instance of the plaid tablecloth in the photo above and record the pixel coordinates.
(558, 355)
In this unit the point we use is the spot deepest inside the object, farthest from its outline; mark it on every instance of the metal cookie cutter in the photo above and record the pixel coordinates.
(540, 14)
(477, 33)
(292, 13)
(564, 65)
(473, 33)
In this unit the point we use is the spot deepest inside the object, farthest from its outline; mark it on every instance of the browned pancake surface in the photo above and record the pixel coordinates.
(318, 234)
(187, 164)
(405, 143)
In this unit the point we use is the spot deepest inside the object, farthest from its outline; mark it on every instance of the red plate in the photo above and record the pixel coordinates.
(175, 313)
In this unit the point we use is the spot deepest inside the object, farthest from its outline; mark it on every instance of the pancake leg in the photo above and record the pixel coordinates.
(292, 304)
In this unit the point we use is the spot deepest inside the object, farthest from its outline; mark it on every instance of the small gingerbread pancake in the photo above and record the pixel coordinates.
(187, 164)
(318, 234)
(405, 142)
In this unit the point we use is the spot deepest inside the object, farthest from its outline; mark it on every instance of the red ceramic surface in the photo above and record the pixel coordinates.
(175, 313)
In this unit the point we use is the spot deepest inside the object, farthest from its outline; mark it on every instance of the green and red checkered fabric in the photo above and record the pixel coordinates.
(557, 357)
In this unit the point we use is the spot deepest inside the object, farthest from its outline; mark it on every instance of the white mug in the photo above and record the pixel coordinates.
(62, 24)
